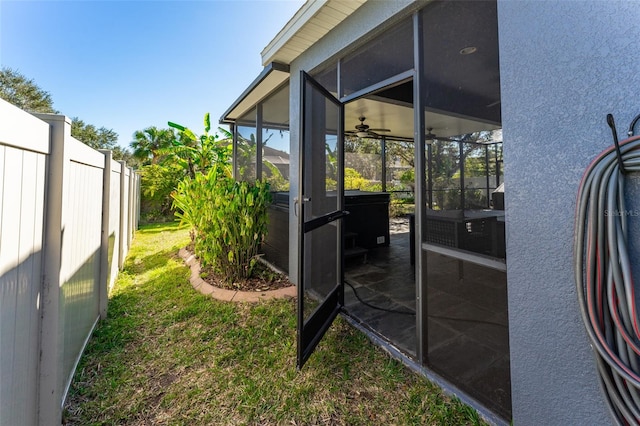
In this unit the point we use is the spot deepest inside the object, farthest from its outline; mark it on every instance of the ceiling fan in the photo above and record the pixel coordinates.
(363, 130)
(430, 137)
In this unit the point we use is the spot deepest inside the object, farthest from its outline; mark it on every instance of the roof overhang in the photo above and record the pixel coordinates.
(271, 77)
(310, 23)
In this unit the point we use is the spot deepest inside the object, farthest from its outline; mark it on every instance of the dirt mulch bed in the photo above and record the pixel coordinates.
(264, 279)
(267, 282)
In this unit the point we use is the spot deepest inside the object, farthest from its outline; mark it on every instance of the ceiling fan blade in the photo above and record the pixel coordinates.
(432, 136)
(445, 139)
(361, 129)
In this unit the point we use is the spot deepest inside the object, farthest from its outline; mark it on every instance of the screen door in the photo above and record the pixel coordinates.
(319, 207)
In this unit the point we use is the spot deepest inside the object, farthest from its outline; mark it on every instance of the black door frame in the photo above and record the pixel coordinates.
(311, 330)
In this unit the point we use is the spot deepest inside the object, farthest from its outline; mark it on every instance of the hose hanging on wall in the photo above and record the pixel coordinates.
(603, 276)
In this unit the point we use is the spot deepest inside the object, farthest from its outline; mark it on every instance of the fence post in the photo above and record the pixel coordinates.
(51, 338)
(134, 205)
(104, 242)
(130, 207)
(123, 217)
(138, 198)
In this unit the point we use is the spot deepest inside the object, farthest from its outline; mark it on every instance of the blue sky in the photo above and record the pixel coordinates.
(127, 65)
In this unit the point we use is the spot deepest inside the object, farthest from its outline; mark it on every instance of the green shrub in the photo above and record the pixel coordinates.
(157, 183)
(229, 220)
(353, 179)
(407, 178)
(274, 177)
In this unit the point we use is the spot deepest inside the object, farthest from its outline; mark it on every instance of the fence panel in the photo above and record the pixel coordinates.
(124, 213)
(65, 210)
(81, 245)
(132, 205)
(22, 195)
(114, 221)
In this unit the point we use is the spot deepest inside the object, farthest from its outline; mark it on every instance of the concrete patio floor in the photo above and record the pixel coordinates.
(467, 308)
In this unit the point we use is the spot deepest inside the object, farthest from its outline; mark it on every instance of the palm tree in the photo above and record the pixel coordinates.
(149, 143)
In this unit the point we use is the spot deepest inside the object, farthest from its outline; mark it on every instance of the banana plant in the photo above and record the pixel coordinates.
(228, 218)
(197, 154)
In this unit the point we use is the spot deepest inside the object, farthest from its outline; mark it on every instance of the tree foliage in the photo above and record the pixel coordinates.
(150, 144)
(197, 154)
(246, 156)
(96, 138)
(168, 156)
(24, 93)
(157, 183)
(362, 145)
(123, 154)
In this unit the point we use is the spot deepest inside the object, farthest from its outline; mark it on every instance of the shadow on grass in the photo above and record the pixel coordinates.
(135, 307)
(153, 261)
(156, 228)
(232, 363)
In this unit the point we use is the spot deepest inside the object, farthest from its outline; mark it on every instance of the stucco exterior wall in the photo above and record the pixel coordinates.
(564, 65)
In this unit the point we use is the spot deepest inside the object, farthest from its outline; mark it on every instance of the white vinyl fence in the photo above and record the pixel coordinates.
(67, 216)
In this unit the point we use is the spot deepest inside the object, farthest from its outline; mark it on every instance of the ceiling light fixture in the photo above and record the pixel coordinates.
(363, 131)
(468, 50)
(429, 138)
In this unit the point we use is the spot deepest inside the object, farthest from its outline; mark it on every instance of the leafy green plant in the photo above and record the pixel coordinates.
(197, 154)
(228, 218)
(353, 179)
(401, 207)
(273, 175)
(407, 178)
(234, 236)
(246, 157)
(150, 144)
(157, 184)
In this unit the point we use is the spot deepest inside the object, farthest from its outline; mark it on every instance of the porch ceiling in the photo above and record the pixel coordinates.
(392, 108)
(396, 116)
(310, 23)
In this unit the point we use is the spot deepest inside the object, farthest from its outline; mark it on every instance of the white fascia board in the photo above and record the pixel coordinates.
(302, 16)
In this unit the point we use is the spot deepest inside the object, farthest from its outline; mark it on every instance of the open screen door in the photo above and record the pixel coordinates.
(319, 206)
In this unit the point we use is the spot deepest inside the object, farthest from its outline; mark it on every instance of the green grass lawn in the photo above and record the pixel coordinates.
(169, 355)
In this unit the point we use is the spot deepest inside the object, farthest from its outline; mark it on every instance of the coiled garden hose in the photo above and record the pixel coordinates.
(603, 277)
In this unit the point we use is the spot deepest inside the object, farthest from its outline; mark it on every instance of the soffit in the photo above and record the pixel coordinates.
(310, 23)
(271, 77)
